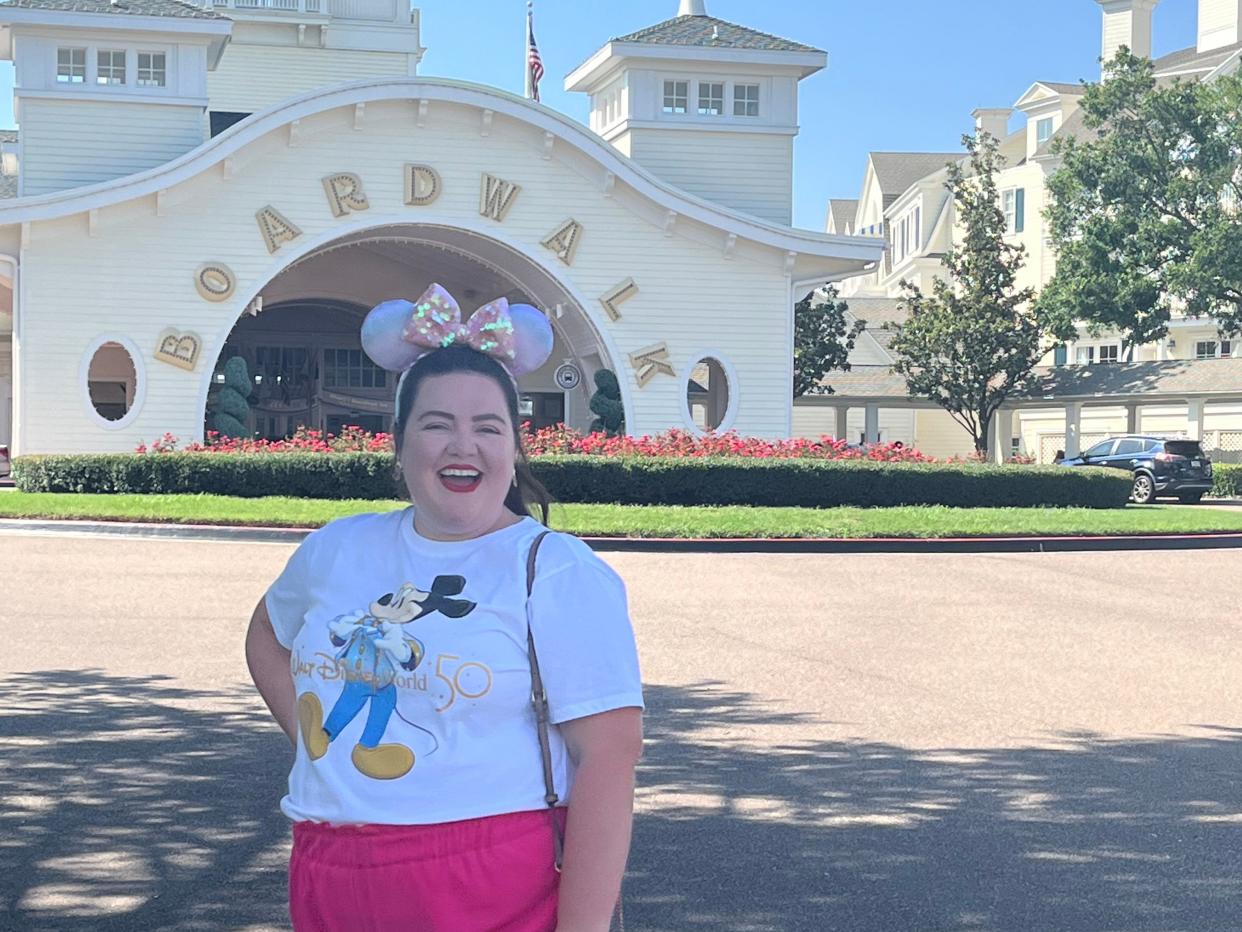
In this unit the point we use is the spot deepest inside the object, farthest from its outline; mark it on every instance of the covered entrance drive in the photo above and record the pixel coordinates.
(299, 335)
(1069, 409)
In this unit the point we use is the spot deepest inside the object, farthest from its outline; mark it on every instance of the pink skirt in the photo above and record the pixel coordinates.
(479, 875)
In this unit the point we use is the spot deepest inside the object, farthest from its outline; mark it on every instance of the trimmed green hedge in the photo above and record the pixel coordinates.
(643, 481)
(1226, 480)
(254, 475)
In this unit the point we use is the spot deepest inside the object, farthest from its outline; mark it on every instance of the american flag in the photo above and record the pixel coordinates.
(534, 64)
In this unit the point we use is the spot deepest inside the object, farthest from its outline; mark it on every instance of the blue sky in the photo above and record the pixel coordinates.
(903, 75)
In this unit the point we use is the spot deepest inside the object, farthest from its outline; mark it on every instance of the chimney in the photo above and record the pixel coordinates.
(1128, 23)
(993, 120)
(1219, 24)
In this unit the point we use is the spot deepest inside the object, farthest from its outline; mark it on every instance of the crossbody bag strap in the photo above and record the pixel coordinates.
(539, 698)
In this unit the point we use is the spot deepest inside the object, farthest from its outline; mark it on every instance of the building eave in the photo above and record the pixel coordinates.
(615, 54)
(1027, 102)
(187, 25)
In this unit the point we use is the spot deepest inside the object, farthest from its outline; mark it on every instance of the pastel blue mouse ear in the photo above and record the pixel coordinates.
(533, 338)
(382, 338)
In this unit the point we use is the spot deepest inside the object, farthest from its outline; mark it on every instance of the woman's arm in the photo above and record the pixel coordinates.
(268, 660)
(605, 748)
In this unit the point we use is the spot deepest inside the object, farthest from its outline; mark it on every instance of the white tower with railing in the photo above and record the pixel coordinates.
(104, 89)
(108, 87)
(707, 105)
(282, 48)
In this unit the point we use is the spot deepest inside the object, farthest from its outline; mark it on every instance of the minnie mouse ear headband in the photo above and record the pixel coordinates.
(396, 334)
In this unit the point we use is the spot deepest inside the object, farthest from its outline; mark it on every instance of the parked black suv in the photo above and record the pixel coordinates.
(1167, 468)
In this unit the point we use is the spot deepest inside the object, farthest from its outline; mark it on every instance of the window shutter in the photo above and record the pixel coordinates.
(1060, 355)
(1019, 206)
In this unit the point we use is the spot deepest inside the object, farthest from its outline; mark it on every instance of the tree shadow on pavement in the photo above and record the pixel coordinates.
(127, 803)
(818, 835)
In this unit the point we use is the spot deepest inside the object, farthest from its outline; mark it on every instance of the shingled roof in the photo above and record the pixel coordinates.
(843, 210)
(173, 8)
(877, 312)
(710, 32)
(1062, 88)
(1191, 59)
(896, 171)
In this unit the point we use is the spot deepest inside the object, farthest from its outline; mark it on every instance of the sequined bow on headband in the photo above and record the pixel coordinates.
(397, 333)
(436, 322)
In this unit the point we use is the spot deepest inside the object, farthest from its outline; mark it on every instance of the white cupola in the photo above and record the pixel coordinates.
(1128, 23)
(708, 105)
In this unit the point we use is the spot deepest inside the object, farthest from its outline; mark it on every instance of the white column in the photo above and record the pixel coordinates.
(840, 424)
(1132, 419)
(1001, 442)
(567, 418)
(871, 424)
(1073, 429)
(17, 413)
(1194, 420)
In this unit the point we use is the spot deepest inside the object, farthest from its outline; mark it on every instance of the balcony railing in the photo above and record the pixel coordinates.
(291, 6)
(375, 11)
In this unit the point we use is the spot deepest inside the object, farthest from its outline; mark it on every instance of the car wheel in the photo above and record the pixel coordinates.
(1190, 498)
(1144, 492)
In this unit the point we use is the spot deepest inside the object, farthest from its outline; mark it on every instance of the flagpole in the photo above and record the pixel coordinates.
(530, 28)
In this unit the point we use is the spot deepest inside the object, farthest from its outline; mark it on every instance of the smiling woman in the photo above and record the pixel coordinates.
(430, 616)
(459, 448)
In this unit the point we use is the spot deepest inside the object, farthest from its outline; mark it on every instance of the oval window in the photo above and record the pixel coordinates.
(111, 381)
(707, 394)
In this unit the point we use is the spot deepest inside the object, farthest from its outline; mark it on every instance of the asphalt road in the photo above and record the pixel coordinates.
(1042, 742)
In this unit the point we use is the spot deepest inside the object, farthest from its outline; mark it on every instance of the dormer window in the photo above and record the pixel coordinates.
(676, 96)
(111, 67)
(711, 99)
(70, 66)
(152, 69)
(746, 100)
(1043, 130)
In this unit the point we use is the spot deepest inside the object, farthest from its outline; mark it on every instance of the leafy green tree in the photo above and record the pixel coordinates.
(1144, 209)
(823, 339)
(974, 340)
(229, 411)
(606, 404)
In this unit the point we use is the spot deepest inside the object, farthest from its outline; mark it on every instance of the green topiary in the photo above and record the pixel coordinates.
(229, 412)
(227, 426)
(606, 404)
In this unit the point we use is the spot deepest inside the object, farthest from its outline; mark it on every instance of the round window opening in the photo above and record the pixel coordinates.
(707, 394)
(111, 381)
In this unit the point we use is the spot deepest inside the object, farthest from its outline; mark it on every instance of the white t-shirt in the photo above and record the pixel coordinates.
(421, 644)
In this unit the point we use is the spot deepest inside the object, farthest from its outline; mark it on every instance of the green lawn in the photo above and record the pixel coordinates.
(657, 521)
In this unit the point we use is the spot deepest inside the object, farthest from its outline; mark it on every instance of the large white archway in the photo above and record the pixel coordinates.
(394, 258)
(640, 271)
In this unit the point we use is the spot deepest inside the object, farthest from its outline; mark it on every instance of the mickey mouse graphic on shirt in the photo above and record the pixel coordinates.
(373, 644)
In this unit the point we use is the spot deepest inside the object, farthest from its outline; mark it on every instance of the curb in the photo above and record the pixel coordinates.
(220, 533)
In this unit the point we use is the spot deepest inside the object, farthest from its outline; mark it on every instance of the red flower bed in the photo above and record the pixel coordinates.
(350, 440)
(563, 440)
(682, 443)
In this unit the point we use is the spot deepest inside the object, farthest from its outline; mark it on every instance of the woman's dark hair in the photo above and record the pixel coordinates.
(527, 490)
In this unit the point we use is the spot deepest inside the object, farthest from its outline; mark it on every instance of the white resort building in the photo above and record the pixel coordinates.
(1189, 384)
(247, 178)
